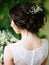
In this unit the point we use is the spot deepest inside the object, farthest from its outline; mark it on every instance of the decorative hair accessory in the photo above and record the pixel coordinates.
(35, 9)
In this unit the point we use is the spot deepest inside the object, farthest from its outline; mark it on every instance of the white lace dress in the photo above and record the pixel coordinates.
(23, 56)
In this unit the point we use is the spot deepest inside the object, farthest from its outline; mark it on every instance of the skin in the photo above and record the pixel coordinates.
(30, 42)
(0, 63)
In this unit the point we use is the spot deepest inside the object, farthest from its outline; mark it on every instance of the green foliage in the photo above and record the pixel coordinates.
(5, 5)
(6, 37)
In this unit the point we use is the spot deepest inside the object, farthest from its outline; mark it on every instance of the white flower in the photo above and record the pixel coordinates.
(34, 9)
(6, 37)
(1, 49)
(13, 39)
(1, 57)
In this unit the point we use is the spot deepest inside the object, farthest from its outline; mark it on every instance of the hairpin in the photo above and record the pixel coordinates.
(34, 9)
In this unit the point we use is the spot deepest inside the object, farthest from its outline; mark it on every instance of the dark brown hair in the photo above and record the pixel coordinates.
(24, 19)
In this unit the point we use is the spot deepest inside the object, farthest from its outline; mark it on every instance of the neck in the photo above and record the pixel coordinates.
(28, 37)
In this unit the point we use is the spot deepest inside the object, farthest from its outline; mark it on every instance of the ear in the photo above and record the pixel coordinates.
(12, 23)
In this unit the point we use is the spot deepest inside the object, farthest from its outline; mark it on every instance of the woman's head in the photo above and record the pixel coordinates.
(27, 16)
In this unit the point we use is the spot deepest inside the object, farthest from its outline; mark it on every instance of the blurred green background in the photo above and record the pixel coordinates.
(5, 5)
